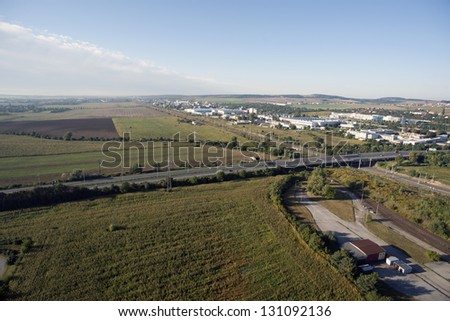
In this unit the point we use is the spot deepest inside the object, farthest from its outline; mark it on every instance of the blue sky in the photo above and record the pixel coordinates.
(351, 48)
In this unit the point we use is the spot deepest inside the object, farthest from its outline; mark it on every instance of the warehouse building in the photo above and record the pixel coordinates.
(365, 251)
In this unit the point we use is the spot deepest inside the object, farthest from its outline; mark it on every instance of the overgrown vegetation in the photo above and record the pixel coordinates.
(324, 244)
(318, 184)
(432, 166)
(230, 243)
(429, 210)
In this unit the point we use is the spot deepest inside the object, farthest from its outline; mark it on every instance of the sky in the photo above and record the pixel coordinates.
(366, 49)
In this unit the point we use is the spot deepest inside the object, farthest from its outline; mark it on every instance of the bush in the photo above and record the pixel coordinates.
(125, 187)
(344, 263)
(432, 255)
(26, 246)
(220, 176)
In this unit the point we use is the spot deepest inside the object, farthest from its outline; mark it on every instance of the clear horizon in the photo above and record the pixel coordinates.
(140, 48)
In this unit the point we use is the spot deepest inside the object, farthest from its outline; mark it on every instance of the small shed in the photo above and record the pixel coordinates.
(402, 267)
(391, 260)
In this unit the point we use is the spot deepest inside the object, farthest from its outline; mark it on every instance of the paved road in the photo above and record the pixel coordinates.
(424, 284)
(325, 161)
(409, 180)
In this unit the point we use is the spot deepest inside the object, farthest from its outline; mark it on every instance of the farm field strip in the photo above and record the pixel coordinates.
(94, 127)
(167, 127)
(32, 169)
(13, 145)
(88, 111)
(229, 244)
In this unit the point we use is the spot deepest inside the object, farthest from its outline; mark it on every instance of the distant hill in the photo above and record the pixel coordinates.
(382, 100)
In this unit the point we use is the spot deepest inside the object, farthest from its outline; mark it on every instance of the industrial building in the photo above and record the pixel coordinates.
(365, 251)
(310, 122)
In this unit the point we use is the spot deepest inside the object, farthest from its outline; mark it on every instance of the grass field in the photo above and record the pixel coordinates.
(341, 206)
(390, 236)
(87, 111)
(440, 174)
(154, 127)
(27, 160)
(12, 145)
(230, 243)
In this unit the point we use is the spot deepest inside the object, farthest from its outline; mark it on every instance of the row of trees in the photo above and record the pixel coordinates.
(59, 193)
(436, 158)
(324, 243)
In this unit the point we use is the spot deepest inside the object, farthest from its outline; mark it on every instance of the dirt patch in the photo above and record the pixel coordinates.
(2, 265)
(99, 127)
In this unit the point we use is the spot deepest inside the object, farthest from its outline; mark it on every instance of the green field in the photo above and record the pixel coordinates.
(87, 111)
(341, 206)
(392, 237)
(12, 146)
(230, 243)
(167, 127)
(46, 168)
(440, 174)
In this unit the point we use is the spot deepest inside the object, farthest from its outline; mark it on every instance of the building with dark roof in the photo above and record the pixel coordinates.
(365, 251)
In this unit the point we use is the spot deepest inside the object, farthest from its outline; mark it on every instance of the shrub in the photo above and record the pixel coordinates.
(432, 255)
(26, 246)
(125, 187)
(366, 283)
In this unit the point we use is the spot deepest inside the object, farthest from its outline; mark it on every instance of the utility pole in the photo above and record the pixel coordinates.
(169, 180)
(362, 192)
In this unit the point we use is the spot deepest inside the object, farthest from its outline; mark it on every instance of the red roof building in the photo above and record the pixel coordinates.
(365, 251)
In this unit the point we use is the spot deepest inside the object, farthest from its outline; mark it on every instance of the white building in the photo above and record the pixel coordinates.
(310, 122)
(347, 125)
(199, 111)
(374, 134)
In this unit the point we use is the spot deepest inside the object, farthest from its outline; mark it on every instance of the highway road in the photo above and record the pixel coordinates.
(366, 159)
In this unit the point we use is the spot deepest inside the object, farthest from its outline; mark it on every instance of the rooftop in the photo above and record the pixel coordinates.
(368, 247)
